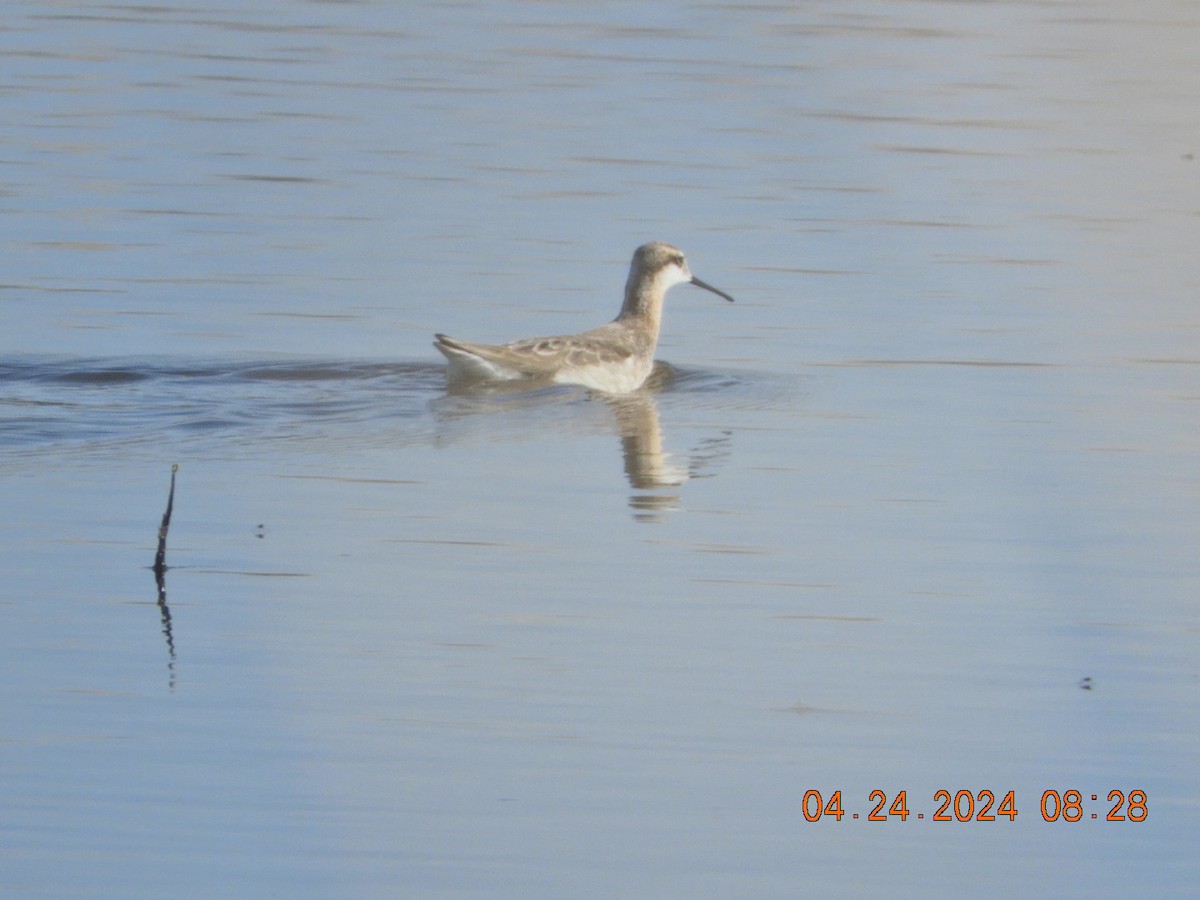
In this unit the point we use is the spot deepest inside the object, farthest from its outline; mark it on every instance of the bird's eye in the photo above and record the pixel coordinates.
(678, 260)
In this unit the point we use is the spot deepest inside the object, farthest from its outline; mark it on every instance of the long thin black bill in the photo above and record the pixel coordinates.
(708, 287)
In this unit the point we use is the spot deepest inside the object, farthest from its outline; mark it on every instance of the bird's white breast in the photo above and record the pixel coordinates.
(612, 378)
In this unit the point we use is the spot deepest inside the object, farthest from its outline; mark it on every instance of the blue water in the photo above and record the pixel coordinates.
(917, 513)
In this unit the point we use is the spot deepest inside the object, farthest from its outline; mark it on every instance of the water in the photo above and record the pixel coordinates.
(919, 512)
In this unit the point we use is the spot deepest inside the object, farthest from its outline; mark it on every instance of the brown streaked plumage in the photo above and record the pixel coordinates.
(615, 358)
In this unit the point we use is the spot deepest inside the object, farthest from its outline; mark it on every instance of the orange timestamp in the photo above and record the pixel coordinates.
(982, 806)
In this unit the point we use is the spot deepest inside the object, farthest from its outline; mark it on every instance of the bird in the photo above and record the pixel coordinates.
(616, 358)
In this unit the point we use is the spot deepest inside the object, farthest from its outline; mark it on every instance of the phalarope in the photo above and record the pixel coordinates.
(615, 358)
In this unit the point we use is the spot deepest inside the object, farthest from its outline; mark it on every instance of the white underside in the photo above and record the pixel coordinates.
(619, 378)
(616, 378)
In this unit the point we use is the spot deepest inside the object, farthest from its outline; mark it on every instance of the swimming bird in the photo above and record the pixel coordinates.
(615, 358)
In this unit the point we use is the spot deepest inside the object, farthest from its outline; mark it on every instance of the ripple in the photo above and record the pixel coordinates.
(98, 406)
(138, 408)
(732, 390)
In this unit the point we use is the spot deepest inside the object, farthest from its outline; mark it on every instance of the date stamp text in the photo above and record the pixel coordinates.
(966, 805)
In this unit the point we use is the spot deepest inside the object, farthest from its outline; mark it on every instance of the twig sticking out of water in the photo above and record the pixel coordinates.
(160, 558)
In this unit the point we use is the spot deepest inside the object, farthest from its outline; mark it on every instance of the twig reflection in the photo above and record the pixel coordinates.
(160, 580)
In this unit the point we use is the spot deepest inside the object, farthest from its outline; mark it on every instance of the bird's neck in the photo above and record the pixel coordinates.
(643, 305)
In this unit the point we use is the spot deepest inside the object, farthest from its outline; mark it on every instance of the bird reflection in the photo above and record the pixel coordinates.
(655, 475)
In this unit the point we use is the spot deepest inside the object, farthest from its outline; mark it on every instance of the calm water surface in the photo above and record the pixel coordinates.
(918, 513)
